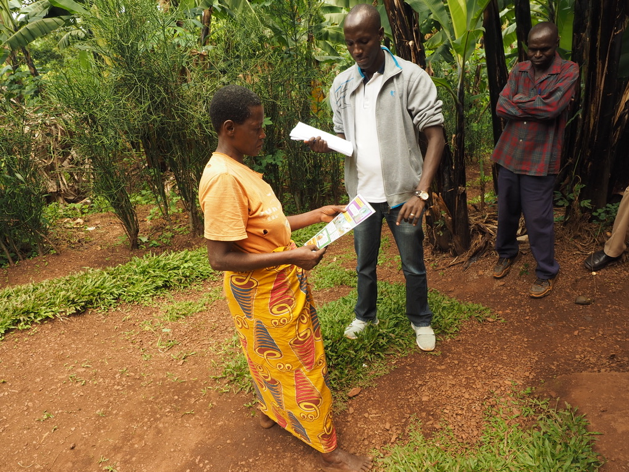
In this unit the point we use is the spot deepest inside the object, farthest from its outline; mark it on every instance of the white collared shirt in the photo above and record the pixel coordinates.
(368, 163)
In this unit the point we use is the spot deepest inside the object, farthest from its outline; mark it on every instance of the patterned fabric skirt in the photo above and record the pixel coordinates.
(279, 331)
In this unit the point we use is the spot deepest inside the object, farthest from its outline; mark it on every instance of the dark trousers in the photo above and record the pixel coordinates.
(531, 196)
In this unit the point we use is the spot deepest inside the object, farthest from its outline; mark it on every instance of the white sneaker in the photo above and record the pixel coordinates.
(425, 337)
(356, 327)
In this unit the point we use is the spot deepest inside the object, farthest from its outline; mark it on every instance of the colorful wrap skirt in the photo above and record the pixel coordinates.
(279, 331)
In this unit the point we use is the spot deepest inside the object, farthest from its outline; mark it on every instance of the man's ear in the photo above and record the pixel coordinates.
(228, 128)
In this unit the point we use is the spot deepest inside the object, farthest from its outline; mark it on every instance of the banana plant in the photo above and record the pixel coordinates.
(36, 20)
(9, 23)
(456, 40)
(326, 33)
(461, 29)
(334, 12)
(561, 13)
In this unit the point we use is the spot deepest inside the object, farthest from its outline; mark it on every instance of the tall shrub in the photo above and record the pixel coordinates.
(149, 57)
(22, 225)
(271, 50)
(91, 114)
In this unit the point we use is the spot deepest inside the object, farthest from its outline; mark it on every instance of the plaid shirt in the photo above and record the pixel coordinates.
(535, 112)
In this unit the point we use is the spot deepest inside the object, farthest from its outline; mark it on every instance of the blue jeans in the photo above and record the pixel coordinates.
(409, 240)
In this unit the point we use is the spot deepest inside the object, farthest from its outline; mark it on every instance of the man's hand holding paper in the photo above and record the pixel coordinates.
(320, 141)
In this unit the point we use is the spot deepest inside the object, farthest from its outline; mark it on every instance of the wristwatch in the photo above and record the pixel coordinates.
(422, 194)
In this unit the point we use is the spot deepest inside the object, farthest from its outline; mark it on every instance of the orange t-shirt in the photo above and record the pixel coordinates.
(239, 206)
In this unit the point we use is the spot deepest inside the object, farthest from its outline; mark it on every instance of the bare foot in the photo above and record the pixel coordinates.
(265, 421)
(342, 461)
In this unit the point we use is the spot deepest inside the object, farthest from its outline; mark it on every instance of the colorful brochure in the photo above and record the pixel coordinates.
(358, 210)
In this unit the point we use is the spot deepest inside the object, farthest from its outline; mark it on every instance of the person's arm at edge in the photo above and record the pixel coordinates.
(432, 159)
(223, 256)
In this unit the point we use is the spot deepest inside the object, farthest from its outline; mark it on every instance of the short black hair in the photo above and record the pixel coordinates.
(365, 12)
(234, 103)
(546, 27)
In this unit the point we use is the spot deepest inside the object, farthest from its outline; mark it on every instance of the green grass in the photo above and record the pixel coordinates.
(330, 274)
(300, 236)
(139, 280)
(235, 376)
(357, 362)
(520, 434)
(179, 310)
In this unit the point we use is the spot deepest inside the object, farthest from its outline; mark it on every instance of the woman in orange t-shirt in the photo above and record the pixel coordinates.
(248, 237)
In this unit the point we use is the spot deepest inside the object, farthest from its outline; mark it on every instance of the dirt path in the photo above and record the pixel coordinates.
(128, 391)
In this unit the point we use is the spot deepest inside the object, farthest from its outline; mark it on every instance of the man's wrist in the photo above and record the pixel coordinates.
(422, 195)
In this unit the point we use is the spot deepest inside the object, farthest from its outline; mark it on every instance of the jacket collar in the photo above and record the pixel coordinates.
(391, 67)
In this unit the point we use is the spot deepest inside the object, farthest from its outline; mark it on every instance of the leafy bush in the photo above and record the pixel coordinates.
(23, 227)
(92, 111)
(270, 50)
(163, 92)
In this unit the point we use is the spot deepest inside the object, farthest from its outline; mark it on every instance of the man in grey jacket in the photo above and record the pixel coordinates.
(381, 104)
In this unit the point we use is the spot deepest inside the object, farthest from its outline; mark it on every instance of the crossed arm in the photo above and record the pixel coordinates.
(546, 103)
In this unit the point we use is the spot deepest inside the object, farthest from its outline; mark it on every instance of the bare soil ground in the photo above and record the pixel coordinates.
(127, 391)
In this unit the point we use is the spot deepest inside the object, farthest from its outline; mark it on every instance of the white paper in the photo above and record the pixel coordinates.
(357, 211)
(304, 132)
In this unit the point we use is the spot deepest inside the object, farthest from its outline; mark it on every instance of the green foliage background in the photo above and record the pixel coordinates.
(131, 87)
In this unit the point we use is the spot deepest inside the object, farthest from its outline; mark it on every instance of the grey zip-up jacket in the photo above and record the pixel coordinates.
(406, 104)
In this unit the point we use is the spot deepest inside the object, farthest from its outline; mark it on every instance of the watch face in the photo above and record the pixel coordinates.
(423, 195)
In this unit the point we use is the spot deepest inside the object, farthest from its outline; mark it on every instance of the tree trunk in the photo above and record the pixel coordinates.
(7, 253)
(439, 226)
(447, 231)
(619, 174)
(450, 225)
(461, 237)
(207, 25)
(406, 34)
(580, 45)
(29, 62)
(523, 26)
(497, 73)
(604, 113)
(13, 61)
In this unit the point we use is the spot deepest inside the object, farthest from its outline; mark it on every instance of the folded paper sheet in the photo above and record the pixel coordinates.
(357, 211)
(304, 132)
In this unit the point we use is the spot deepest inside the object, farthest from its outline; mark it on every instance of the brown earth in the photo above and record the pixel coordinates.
(125, 390)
